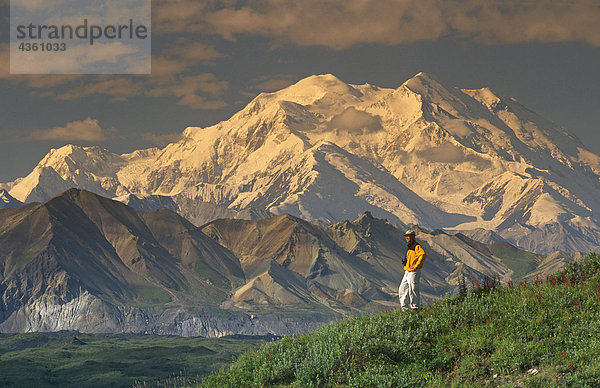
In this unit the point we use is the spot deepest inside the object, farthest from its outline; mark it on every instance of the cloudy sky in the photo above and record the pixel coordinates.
(210, 58)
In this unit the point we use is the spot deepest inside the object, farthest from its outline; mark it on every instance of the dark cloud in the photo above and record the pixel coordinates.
(341, 23)
(191, 90)
(168, 79)
(191, 51)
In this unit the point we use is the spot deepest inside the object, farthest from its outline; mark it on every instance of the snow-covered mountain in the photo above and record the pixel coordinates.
(323, 150)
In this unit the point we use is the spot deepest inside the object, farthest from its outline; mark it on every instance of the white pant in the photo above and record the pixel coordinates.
(409, 289)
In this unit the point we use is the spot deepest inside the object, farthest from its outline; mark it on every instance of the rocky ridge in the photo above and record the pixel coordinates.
(83, 262)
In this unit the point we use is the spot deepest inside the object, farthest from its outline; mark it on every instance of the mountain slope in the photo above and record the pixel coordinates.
(82, 248)
(358, 263)
(286, 243)
(83, 262)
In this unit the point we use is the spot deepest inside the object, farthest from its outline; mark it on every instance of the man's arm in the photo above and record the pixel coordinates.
(420, 253)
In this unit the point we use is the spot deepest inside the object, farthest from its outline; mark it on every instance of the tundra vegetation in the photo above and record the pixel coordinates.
(540, 334)
(70, 359)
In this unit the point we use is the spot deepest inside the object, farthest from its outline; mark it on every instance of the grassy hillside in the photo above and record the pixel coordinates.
(520, 261)
(71, 359)
(533, 335)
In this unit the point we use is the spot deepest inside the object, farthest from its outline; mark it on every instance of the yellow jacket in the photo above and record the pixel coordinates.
(415, 255)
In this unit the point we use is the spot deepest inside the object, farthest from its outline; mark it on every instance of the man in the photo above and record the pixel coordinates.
(413, 262)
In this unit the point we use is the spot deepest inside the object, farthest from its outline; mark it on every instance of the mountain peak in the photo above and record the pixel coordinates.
(90, 156)
(86, 200)
(70, 149)
(74, 195)
(324, 82)
(322, 87)
(423, 84)
(365, 216)
(424, 76)
(365, 219)
(321, 79)
(286, 217)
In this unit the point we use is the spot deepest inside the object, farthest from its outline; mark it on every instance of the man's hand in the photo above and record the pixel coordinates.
(413, 267)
